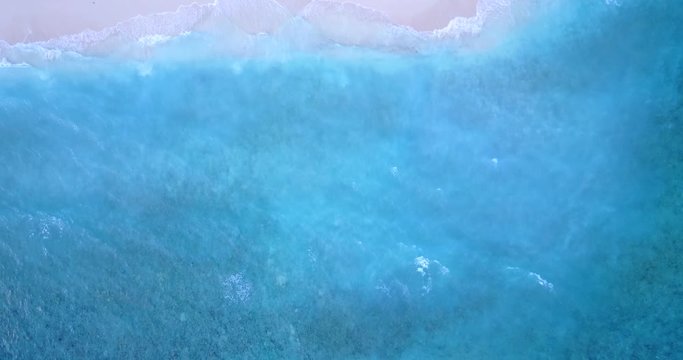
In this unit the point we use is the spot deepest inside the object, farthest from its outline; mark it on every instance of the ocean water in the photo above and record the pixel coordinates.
(518, 200)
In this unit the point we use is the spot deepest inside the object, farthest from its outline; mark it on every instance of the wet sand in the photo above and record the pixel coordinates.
(35, 20)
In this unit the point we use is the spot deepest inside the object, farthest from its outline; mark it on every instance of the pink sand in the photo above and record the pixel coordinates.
(34, 20)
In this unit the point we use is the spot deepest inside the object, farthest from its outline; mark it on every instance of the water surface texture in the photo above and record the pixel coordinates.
(521, 200)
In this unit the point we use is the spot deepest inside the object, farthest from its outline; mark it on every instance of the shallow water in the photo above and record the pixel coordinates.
(522, 201)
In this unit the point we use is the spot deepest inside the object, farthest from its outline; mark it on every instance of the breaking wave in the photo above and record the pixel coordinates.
(240, 27)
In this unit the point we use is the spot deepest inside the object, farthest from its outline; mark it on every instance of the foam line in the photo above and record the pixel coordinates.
(241, 21)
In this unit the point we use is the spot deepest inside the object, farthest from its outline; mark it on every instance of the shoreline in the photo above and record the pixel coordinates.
(35, 20)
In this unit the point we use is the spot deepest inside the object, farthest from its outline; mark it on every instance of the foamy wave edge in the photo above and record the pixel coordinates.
(257, 27)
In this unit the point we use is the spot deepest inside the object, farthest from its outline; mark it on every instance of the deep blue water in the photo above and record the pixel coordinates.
(523, 201)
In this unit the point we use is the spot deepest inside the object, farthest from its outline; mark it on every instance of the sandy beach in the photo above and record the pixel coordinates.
(36, 20)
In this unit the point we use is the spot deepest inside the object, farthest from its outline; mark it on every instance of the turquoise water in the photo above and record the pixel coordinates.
(521, 201)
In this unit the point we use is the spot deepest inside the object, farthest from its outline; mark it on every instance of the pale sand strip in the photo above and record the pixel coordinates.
(35, 20)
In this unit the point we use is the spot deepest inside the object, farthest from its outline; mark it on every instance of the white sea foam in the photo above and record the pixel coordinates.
(442, 269)
(537, 278)
(422, 265)
(6, 64)
(238, 27)
(154, 39)
(428, 268)
(541, 281)
(468, 26)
